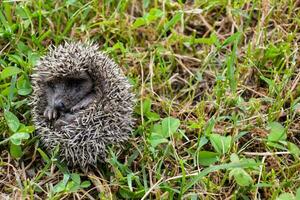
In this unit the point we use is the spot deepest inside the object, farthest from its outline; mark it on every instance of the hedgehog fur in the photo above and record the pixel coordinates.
(108, 120)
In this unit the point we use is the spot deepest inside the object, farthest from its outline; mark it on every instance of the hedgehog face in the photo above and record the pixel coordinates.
(64, 93)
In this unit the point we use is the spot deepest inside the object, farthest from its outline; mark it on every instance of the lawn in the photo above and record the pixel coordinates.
(217, 85)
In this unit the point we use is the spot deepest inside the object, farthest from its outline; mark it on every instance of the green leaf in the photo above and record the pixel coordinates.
(72, 186)
(34, 57)
(15, 58)
(22, 48)
(298, 193)
(146, 104)
(127, 194)
(250, 161)
(152, 116)
(220, 143)
(296, 107)
(271, 84)
(157, 129)
(20, 11)
(201, 142)
(26, 129)
(207, 41)
(231, 60)
(277, 132)
(234, 158)
(207, 158)
(276, 145)
(44, 155)
(241, 177)
(173, 21)
(10, 71)
(119, 45)
(17, 138)
(85, 184)
(209, 126)
(286, 196)
(148, 17)
(215, 39)
(24, 86)
(294, 149)
(154, 14)
(169, 126)
(12, 121)
(76, 178)
(139, 22)
(12, 88)
(210, 169)
(129, 181)
(146, 3)
(156, 139)
(15, 150)
(71, 2)
(234, 37)
(273, 51)
(59, 187)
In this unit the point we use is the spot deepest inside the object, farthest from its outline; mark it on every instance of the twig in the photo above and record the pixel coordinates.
(259, 177)
(148, 192)
(256, 92)
(265, 153)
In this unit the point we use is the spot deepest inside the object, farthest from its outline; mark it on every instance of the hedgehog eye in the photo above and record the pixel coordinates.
(77, 89)
(80, 81)
(69, 83)
(72, 82)
(51, 85)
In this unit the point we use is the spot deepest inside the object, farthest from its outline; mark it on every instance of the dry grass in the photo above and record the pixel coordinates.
(218, 68)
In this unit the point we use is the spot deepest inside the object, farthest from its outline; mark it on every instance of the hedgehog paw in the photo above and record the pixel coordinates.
(78, 106)
(50, 113)
(75, 108)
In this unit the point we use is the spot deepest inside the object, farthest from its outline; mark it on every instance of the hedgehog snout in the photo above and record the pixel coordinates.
(59, 105)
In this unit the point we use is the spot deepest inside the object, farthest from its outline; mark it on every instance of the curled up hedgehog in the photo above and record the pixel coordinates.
(82, 102)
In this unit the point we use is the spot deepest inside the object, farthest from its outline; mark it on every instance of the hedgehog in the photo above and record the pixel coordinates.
(82, 102)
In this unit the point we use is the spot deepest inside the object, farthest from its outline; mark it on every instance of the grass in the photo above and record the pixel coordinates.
(218, 90)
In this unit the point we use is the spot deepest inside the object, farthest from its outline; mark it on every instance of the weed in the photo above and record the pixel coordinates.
(218, 110)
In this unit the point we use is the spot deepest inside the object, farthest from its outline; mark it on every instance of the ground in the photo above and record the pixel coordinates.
(217, 84)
